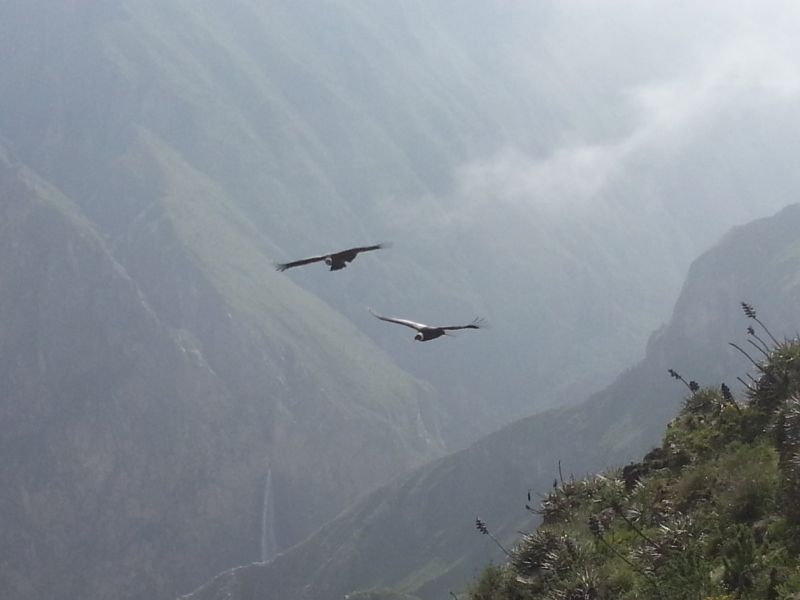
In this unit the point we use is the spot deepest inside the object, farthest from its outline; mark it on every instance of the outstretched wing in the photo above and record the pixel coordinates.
(349, 254)
(343, 255)
(301, 262)
(406, 322)
(477, 323)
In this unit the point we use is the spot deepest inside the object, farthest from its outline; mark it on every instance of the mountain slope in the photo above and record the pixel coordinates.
(93, 449)
(416, 534)
(145, 411)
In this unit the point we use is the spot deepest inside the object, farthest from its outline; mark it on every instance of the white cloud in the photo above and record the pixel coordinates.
(750, 59)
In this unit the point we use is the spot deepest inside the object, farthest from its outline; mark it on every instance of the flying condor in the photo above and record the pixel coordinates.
(335, 260)
(426, 332)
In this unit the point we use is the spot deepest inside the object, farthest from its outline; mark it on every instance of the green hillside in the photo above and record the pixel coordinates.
(711, 513)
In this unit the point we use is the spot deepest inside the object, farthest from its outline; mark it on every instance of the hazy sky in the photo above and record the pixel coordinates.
(675, 69)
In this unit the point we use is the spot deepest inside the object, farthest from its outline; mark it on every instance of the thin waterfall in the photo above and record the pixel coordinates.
(268, 545)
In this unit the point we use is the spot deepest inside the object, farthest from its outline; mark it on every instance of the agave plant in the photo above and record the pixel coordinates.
(545, 554)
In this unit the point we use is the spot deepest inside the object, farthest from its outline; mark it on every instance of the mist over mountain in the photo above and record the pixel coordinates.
(519, 158)
(550, 166)
(417, 535)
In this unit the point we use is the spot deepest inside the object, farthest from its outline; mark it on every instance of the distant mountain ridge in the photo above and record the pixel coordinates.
(417, 535)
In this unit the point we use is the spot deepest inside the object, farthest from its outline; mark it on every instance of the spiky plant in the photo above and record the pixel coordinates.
(481, 526)
(761, 343)
(750, 313)
(562, 500)
(738, 560)
(706, 403)
(780, 376)
(693, 386)
(545, 555)
(583, 586)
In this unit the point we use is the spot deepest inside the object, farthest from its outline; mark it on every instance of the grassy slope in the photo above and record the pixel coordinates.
(96, 451)
(224, 245)
(21, 181)
(711, 513)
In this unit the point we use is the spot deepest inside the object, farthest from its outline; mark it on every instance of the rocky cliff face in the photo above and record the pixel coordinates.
(102, 412)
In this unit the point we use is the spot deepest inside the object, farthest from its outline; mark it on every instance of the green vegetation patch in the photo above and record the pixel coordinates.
(710, 514)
